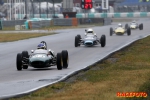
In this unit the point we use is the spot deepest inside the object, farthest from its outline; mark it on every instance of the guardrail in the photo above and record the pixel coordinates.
(36, 23)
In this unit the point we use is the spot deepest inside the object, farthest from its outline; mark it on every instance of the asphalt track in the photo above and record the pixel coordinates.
(13, 82)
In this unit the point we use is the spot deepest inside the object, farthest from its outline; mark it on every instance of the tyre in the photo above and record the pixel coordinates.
(126, 26)
(79, 38)
(76, 41)
(44, 44)
(111, 31)
(19, 61)
(103, 40)
(59, 61)
(25, 54)
(128, 31)
(65, 58)
(141, 26)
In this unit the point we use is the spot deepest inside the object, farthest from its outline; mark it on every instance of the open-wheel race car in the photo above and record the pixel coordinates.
(120, 30)
(42, 58)
(135, 25)
(90, 39)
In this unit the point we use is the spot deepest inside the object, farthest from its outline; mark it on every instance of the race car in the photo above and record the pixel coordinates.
(42, 58)
(90, 39)
(120, 30)
(135, 25)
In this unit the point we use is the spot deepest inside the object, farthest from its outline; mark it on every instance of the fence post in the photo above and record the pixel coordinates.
(1, 26)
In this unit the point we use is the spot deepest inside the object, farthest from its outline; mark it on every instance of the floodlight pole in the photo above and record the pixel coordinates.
(25, 6)
(32, 1)
(40, 8)
(53, 8)
(47, 9)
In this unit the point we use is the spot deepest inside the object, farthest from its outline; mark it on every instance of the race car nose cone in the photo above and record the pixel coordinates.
(88, 43)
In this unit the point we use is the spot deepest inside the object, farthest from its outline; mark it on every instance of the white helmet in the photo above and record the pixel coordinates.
(90, 30)
(133, 21)
(119, 25)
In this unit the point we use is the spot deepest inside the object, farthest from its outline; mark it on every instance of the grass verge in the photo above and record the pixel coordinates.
(127, 70)
(57, 27)
(9, 37)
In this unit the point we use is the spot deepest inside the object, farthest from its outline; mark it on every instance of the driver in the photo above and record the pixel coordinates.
(119, 25)
(42, 46)
(89, 31)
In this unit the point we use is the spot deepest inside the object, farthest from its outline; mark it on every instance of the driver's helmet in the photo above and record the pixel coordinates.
(119, 25)
(90, 31)
(41, 46)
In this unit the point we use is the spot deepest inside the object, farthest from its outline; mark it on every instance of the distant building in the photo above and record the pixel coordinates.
(77, 3)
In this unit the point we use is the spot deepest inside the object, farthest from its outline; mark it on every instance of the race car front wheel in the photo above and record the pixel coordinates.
(59, 61)
(141, 26)
(128, 31)
(65, 58)
(76, 41)
(79, 38)
(25, 56)
(111, 31)
(103, 40)
(19, 61)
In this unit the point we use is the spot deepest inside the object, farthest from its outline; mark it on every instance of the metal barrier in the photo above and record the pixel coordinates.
(39, 24)
(21, 24)
(12, 23)
(90, 20)
(63, 22)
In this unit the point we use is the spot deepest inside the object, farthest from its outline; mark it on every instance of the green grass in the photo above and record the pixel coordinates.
(127, 70)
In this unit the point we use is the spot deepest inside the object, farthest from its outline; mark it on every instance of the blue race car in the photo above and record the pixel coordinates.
(90, 39)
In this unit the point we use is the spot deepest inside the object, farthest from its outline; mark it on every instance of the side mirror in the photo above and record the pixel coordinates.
(32, 51)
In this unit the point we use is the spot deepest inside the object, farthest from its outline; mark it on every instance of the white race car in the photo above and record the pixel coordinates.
(90, 39)
(135, 25)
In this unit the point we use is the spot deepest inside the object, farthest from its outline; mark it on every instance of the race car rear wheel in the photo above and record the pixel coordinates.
(65, 58)
(111, 31)
(141, 26)
(103, 40)
(25, 54)
(79, 38)
(59, 61)
(76, 41)
(128, 31)
(44, 43)
(19, 61)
